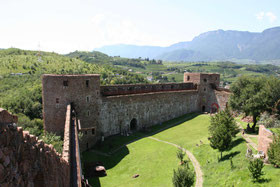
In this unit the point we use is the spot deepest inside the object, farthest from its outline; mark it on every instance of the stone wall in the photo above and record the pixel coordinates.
(6, 117)
(117, 112)
(109, 110)
(27, 161)
(265, 138)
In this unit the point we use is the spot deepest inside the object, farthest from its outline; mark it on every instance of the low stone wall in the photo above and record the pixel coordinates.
(265, 138)
(27, 161)
(144, 88)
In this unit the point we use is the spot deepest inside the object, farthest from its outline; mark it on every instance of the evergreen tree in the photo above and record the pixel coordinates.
(221, 130)
(274, 151)
(255, 167)
(183, 177)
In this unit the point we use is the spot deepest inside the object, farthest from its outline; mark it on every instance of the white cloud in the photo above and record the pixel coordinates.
(260, 15)
(270, 16)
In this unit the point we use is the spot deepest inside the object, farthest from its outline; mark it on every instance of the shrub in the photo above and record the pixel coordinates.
(180, 155)
(255, 167)
(56, 141)
(183, 177)
(274, 151)
(269, 121)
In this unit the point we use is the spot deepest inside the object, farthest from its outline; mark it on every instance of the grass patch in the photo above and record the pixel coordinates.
(155, 161)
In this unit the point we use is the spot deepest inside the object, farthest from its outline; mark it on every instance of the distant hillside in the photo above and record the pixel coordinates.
(210, 46)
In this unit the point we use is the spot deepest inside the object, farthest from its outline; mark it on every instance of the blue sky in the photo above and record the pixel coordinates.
(67, 25)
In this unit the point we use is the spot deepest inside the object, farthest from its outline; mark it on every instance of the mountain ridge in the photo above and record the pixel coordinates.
(212, 45)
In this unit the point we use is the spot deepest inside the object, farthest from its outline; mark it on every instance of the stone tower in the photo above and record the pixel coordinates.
(82, 91)
(207, 84)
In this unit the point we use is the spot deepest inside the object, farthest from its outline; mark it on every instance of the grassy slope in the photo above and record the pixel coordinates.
(187, 134)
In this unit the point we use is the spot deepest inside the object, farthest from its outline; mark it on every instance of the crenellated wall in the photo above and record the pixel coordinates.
(27, 161)
(144, 88)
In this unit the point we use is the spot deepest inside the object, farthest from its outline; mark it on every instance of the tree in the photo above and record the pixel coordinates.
(249, 96)
(274, 151)
(255, 167)
(222, 128)
(180, 155)
(224, 117)
(183, 177)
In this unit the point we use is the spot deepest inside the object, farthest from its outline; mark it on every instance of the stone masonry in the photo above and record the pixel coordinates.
(27, 161)
(109, 110)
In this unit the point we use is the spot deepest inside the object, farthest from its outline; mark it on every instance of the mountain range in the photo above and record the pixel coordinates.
(216, 45)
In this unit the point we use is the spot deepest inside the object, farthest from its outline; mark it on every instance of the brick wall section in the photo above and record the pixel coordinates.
(265, 138)
(144, 88)
(66, 143)
(27, 161)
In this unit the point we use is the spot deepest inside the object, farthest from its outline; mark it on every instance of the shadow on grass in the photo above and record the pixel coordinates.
(227, 157)
(108, 162)
(237, 142)
(263, 181)
(116, 149)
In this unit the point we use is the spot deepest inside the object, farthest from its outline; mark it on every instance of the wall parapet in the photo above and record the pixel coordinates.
(27, 161)
(66, 143)
(144, 88)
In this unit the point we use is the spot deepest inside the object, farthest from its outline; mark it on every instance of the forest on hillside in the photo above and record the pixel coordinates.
(21, 70)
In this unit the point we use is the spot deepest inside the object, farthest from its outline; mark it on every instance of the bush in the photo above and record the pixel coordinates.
(180, 155)
(183, 177)
(274, 151)
(56, 141)
(255, 167)
(269, 121)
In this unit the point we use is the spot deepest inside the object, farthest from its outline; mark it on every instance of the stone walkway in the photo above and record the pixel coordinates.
(247, 138)
(196, 165)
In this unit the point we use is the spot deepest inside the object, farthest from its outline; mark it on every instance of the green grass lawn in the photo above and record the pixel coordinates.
(155, 161)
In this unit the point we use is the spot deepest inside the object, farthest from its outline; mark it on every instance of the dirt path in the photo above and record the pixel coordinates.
(196, 165)
(247, 138)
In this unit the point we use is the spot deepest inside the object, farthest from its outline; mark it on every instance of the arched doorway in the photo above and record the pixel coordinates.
(133, 125)
(214, 108)
(203, 108)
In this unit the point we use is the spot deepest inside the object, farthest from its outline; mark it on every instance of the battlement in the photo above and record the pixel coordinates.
(113, 90)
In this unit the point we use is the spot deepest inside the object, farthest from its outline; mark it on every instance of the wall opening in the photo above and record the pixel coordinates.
(92, 131)
(87, 83)
(203, 108)
(214, 108)
(65, 83)
(188, 78)
(133, 124)
(87, 98)
(205, 80)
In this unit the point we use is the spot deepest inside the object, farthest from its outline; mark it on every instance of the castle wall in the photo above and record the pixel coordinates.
(148, 109)
(27, 161)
